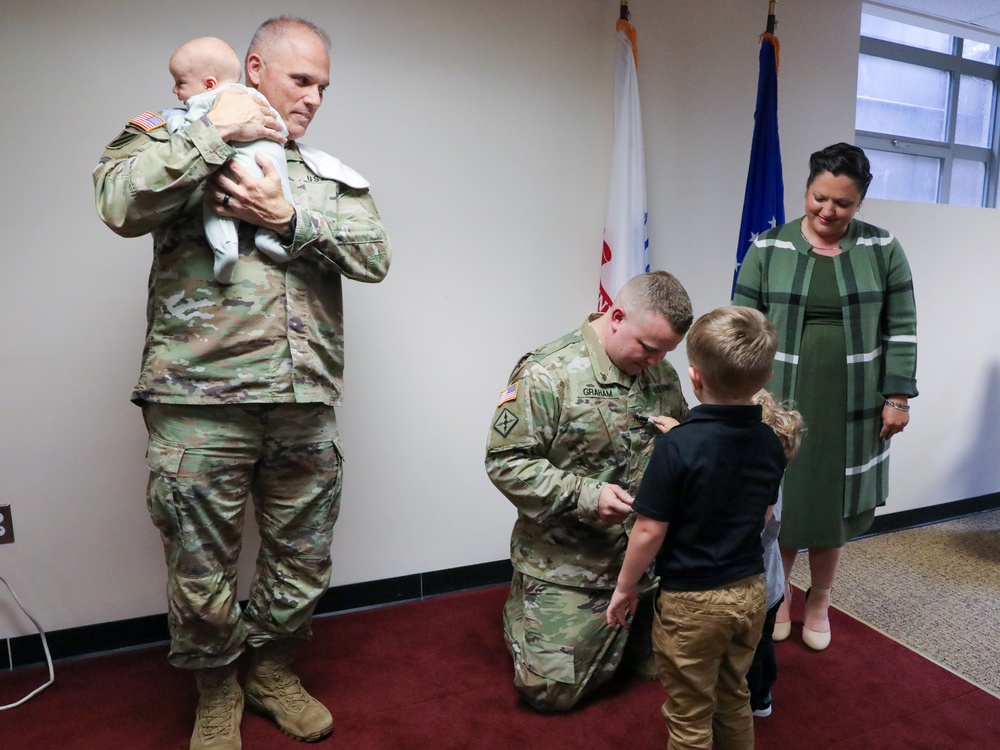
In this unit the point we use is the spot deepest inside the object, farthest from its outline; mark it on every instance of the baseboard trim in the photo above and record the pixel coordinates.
(145, 631)
(911, 519)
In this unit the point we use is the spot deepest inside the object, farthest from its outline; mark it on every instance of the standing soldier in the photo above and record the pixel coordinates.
(239, 382)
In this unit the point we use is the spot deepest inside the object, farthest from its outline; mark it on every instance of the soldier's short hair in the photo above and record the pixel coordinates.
(274, 28)
(661, 293)
(733, 348)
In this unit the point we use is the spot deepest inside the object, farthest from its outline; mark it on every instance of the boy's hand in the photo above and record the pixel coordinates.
(664, 424)
(621, 607)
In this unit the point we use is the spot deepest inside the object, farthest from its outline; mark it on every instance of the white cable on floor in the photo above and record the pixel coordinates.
(45, 645)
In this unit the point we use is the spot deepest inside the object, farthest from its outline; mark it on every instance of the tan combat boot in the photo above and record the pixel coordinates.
(220, 710)
(274, 691)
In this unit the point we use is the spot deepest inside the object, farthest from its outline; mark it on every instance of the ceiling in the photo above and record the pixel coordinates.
(982, 13)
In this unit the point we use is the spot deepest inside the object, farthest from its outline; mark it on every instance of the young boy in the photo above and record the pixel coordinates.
(701, 507)
(202, 68)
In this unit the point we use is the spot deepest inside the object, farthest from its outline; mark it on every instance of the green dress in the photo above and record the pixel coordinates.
(813, 494)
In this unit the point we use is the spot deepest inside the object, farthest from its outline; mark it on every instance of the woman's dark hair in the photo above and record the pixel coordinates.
(842, 159)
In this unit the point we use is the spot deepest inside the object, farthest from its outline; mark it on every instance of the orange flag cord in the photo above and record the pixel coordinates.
(629, 30)
(769, 37)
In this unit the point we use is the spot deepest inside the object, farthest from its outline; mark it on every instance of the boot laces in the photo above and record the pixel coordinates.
(216, 712)
(289, 690)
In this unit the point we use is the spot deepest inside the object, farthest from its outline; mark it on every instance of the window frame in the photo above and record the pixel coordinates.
(955, 66)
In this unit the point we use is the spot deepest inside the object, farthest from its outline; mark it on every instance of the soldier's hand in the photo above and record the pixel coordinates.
(238, 116)
(238, 195)
(614, 504)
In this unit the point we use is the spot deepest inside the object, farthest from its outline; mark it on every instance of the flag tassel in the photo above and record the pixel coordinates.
(623, 25)
(772, 22)
(625, 251)
(763, 200)
(768, 36)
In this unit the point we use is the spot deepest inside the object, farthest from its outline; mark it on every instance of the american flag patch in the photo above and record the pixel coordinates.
(508, 394)
(148, 121)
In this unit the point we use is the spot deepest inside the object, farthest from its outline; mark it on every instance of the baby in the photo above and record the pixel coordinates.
(201, 69)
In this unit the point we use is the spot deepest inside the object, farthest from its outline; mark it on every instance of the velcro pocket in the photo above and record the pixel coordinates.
(552, 661)
(164, 458)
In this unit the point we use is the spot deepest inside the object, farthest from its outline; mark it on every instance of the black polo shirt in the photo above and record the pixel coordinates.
(711, 479)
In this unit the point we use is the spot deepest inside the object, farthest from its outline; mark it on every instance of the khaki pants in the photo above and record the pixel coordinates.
(704, 643)
(205, 462)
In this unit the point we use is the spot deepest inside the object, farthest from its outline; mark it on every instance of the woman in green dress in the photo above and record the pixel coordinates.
(840, 294)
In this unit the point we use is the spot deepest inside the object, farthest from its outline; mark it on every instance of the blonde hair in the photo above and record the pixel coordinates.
(208, 56)
(733, 348)
(786, 423)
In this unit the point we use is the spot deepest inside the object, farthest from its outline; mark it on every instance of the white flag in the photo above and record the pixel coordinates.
(626, 242)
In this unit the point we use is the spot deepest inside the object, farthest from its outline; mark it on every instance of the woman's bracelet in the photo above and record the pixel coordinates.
(894, 405)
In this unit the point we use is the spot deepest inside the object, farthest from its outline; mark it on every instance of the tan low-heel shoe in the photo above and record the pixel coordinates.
(781, 631)
(814, 639)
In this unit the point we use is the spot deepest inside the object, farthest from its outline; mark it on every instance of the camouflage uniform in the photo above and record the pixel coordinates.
(564, 427)
(238, 383)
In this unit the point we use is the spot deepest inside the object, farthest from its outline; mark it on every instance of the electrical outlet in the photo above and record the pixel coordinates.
(6, 525)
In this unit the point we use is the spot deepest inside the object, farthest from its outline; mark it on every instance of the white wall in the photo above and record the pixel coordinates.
(485, 130)
(952, 448)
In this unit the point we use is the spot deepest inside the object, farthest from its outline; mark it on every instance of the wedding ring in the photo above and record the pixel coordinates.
(225, 201)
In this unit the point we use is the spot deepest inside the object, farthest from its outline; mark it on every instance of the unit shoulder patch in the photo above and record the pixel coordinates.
(121, 140)
(505, 422)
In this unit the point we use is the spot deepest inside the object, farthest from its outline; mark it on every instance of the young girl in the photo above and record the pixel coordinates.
(787, 425)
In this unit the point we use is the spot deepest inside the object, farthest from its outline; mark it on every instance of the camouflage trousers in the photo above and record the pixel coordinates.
(704, 643)
(561, 643)
(205, 462)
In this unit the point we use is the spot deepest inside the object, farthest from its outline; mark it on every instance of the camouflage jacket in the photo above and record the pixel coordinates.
(564, 427)
(276, 335)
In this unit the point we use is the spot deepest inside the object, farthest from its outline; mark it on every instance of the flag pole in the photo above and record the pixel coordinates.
(624, 16)
(772, 22)
(625, 251)
(764, 197)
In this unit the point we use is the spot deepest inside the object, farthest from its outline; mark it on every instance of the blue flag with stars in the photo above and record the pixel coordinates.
(764, 199)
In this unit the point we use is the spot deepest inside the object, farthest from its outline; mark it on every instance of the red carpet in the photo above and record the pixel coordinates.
(435, 674)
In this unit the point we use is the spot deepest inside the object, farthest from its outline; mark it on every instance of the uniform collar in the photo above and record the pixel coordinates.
(330, 167)
(605, 370)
